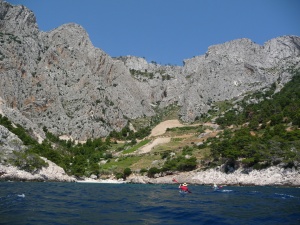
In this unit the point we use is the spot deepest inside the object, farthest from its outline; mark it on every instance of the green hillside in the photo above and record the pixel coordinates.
(258, 131)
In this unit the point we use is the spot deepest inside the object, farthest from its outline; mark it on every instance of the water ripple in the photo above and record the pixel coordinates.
(73, 203)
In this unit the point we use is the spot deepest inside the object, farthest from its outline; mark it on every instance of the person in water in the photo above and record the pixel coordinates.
(216, 187)
(184, 187)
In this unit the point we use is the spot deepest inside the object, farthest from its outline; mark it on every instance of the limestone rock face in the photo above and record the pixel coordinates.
(9, 143)
(60, 81)
(17, 20)
(161, 85)
(18, 118)
(231, 69)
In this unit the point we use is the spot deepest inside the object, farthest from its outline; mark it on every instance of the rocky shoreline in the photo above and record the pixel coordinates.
(51, 173)
(272, 176)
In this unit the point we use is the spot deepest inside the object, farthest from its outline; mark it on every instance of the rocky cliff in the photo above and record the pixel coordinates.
(50, 173)
(60, 81)
(10, 145)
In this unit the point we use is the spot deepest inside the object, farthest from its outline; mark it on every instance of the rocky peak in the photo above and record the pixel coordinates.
(282, 48)
(133, 62)
(17, 20)
(70, 34)
(237, 48)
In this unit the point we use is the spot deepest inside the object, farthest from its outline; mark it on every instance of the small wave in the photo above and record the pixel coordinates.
(284, 196)
(226, 190)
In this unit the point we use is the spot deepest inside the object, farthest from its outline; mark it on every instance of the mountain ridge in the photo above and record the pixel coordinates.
(60, 81)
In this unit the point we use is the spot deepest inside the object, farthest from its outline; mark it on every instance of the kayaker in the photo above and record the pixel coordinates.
(184, 187)
(216, 187)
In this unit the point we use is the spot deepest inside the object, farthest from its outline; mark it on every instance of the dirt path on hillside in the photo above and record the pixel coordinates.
(157, 141)
(162, 127)
(159, 130)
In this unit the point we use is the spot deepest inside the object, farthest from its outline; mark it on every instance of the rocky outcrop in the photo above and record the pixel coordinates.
(18, 118)
(9, 143)
(271, 176)
(50, 173)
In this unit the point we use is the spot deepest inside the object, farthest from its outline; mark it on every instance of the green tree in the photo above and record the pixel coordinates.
(152, 171)
(127, 172)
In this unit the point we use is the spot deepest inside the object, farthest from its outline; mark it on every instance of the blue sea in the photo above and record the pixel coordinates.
(92, 203)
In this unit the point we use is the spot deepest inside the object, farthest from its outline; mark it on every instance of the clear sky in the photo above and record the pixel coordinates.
(169, 31)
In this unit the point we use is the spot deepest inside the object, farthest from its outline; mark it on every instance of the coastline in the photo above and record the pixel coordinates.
(272, 176)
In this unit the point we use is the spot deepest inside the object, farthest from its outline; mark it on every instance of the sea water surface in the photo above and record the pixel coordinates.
(93, 203)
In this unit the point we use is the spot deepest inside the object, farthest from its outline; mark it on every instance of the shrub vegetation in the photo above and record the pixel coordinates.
(264, 133)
